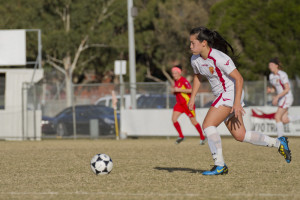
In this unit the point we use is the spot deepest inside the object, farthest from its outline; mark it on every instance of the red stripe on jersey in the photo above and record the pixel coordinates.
(281, 84)
(217, 100)
(218, 71)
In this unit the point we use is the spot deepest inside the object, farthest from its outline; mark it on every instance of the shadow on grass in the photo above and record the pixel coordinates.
(172, 169)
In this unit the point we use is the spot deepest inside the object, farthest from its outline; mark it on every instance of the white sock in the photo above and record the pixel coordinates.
(293, 118)
(261, 139)
(280, 129)
(215, 144)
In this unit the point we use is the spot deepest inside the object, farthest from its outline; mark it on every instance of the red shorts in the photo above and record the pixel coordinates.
(183, 108)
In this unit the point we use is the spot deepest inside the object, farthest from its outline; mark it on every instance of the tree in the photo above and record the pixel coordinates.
(162, 32)
(260, 30)
(74, 33)
(80, 35)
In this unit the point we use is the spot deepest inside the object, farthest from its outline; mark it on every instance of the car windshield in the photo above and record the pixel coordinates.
(105, 110)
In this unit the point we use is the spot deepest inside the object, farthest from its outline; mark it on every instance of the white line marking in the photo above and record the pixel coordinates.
(150, 194)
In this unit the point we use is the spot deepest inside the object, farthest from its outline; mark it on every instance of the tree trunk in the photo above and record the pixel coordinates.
(67, 66)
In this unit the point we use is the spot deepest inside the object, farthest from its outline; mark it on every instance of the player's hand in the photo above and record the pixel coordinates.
(191, 104)
(176, 89)
(238, 109)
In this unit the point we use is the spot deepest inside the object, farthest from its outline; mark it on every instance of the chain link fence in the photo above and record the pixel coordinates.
(92, 111)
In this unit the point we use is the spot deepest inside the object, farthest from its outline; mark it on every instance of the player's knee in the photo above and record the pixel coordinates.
(285, 120)
(278, 117)
(193, 121)
(205, 125)
(239, 137)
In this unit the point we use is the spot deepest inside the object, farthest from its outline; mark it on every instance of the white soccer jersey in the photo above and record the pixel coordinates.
(278, 81)
(216, 68)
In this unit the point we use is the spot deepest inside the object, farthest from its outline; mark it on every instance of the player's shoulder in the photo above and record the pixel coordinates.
(219, 56)
(282, 73)
(222, 59)
(183, 79)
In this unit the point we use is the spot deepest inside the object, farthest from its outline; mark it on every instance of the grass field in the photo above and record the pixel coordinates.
(145, 169)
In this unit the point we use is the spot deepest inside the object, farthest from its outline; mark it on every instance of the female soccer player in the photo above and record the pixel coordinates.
(210, 59)
(182, 89)
(284, 98)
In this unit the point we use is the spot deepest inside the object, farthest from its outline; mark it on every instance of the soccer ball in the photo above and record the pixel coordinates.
(101, 164)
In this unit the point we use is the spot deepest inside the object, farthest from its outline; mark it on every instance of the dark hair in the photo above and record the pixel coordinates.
(179, 66)
(276, 61)
(213, 38)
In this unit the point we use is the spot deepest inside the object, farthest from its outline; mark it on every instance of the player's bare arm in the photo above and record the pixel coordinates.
(270, 90)
(195, 88)
(284, 92)
(176, 89)
(239, 81)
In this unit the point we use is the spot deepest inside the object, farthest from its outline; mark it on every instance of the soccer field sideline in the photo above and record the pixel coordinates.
(156, 195)
(152, 168)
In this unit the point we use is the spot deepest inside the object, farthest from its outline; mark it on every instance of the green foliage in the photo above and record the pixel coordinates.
(64, 25)
(260, 30)
(257, 29)
(162, 32)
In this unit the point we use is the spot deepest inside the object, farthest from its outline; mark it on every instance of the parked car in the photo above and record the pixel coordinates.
(107, 101)
(62, 123)
(157, 101)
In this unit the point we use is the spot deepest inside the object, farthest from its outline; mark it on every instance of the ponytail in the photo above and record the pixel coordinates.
(213, 38)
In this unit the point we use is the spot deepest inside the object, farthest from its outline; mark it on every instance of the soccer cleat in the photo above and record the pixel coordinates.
(284, 149)
(179, 139)
(202, 142)
(217, 170)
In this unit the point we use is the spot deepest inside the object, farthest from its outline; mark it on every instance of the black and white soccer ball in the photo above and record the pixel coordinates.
(101, 164)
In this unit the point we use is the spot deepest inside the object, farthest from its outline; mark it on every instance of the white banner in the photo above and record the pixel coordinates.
(157, 122)
(262, 120)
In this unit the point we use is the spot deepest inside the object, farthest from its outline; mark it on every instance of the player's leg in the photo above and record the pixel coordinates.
(236, 127)
(287, 118)
(192, 115)
(177, 111)
(212, 120)
(199, 129)
(278, 118)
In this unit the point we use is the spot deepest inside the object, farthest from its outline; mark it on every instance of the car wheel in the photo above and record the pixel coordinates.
(61, 129)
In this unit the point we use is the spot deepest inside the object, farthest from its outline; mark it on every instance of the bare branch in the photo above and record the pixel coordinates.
(78, 52)
(164, 71)
(60, 14)
(88, 60)
(103, 15)
(53, 64)
(149, 75)
(55, 59)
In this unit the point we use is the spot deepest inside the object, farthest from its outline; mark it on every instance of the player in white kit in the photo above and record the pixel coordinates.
(284, 98)
(210, 59)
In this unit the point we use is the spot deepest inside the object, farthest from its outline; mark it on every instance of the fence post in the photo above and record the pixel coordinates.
(167, 95)
(34, 110)
(265, 91)
(73, 110)
(94, 128)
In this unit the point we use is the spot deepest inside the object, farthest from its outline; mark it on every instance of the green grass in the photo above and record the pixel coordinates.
(145, 169)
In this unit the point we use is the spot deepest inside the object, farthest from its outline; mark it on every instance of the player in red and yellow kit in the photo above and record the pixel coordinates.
(182, 89)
